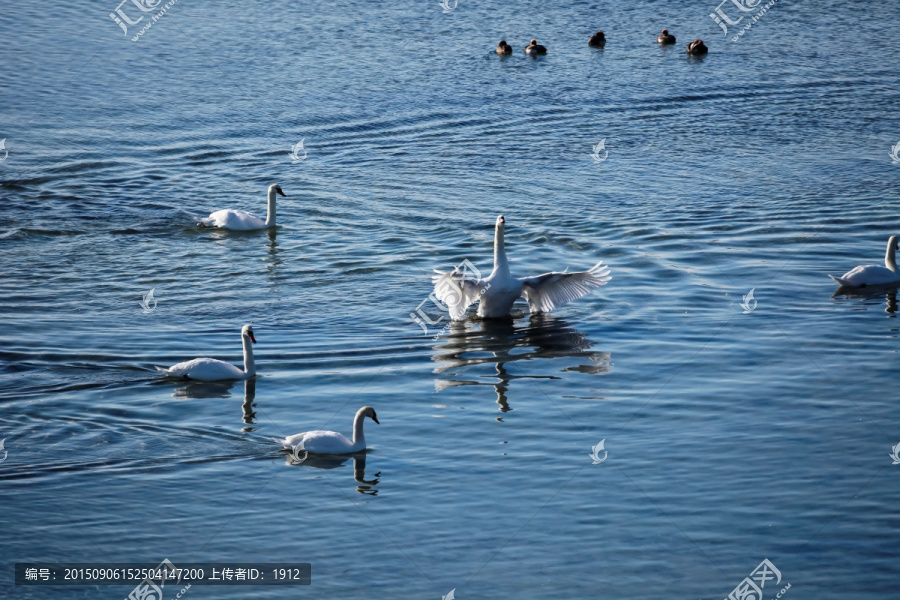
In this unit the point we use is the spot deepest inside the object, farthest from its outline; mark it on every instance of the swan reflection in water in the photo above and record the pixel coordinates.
(888, 292)
(333, 461)
(191, 389)
(221, 389)
(247, 406)
(500, 342)
(272, 250)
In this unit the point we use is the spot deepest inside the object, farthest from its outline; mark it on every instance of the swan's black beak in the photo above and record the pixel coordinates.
(252, 338)
(280, 192)
(375, 418)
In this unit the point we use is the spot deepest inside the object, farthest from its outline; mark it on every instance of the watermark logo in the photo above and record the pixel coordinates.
(746, 6)
(451, 285)
(151, 588)
(895, 455)
(448, 6)
(298, 152)
(749, 303)
(296, 459)
(6, 152)
(751, 588)
(895, 153)
(600, 147)
(5, 453)
(721, 18)
(595, 452)
(450, 596)
(149, 302)
(123, 20)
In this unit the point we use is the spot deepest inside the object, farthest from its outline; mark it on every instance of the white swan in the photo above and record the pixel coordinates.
(241, 220)
(332, 442)
(497, 294)
(864, 275)
(210, 369)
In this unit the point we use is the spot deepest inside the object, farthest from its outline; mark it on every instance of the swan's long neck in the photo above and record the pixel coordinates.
(249, 365)
(358, 435)
(501, 265)
(889, 256)
(270, 211)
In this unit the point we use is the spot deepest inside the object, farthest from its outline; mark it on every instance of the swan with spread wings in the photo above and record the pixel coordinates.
(498, 292)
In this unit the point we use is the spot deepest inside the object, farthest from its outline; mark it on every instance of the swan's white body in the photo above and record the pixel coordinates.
(332, 442)
(210, 369)
(241, 220)
(498, 292)
(866, 275)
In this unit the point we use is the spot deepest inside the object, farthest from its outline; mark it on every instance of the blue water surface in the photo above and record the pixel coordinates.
(730, 436)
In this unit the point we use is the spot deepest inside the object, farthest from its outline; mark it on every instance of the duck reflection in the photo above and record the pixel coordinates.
(889, 293)
(500, 342)
(333, 461)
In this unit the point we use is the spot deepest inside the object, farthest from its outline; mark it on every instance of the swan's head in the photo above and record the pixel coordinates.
(368, 411)
(247, 332)
(277, 189)
(893, 243)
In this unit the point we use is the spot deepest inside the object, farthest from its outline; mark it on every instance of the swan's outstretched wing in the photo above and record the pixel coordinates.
(552, 290)
(456, 291)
